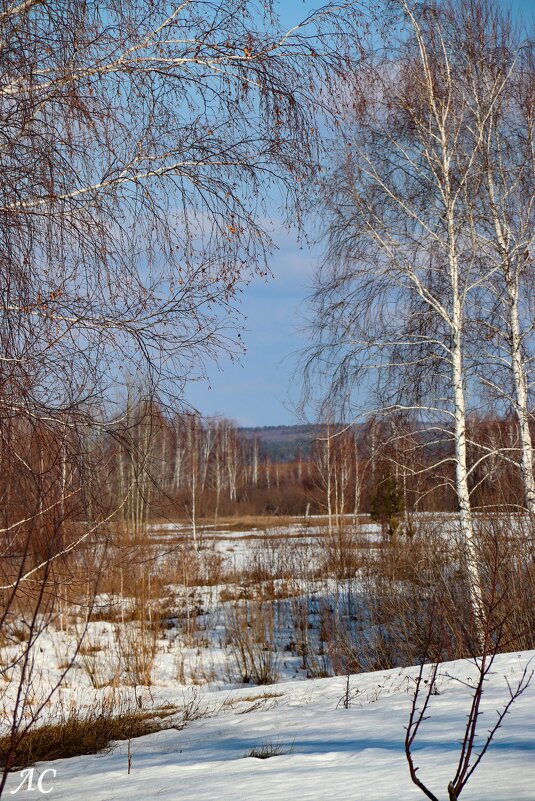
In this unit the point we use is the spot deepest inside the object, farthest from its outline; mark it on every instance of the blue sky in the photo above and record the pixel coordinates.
(263, 387)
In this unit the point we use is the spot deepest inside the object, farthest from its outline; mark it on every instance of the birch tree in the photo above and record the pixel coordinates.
(139, 145)
(395, 300)
(502, 80)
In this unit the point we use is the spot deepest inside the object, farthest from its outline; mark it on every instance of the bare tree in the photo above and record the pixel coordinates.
(140, 145)
(52, 480)
(472, 748)
(501, 79)
(398, 301)
(139, 142)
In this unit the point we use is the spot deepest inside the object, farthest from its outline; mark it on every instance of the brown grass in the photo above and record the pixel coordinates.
(265, 696)
(75, 735)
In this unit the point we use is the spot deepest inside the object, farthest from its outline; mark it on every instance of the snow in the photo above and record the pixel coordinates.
(324, 751)
(330, 752)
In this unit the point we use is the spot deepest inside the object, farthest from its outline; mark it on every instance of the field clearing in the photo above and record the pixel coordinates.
(314, 749)
(190, 636)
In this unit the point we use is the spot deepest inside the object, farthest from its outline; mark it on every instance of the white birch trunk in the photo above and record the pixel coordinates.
(328, 478)
(459, 404)
(356, 500)
(255, 462)
(521, 397)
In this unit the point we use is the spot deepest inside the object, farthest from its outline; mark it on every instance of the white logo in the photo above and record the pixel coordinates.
(28, 776)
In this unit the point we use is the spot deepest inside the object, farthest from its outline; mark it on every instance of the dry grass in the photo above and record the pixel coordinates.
(19, 633)
(252, 698)
(267, 749)
(243, 522)
(136, 648)
(251, 634)
(87, 649)
(76, 735)
(341, 604)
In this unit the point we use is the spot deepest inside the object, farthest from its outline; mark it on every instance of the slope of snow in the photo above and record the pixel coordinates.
(353, 754)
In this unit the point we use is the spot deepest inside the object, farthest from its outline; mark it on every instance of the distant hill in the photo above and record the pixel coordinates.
(283, 443)
(286, 443)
